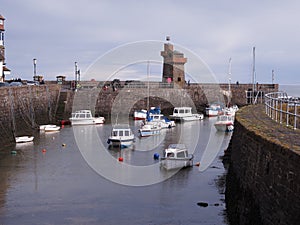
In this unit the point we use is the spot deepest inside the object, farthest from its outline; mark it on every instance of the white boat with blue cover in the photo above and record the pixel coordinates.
(121, 136)
(161, 120)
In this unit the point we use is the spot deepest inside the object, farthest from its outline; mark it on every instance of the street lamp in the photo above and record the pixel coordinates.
(75, 83)
(34, 68)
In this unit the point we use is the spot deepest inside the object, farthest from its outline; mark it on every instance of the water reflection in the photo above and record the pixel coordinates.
(57, 186)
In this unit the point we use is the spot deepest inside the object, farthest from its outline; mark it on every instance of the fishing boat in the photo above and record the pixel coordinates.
(149, 130)
(24, 139)
(224, 123)
(176, 156)
(185, 114)
(121, 136)
(84, 117)
(214, 109)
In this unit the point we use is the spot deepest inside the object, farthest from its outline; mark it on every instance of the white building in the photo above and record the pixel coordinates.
(3, 70)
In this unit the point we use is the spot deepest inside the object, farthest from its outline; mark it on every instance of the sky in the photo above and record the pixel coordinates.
(59, 33)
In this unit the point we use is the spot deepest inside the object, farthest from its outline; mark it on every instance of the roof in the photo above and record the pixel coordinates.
(5, 68)
(177, 146)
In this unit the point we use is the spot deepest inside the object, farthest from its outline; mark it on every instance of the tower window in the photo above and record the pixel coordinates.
(179, 79)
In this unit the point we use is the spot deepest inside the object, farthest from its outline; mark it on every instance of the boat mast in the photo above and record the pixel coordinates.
(253, 76)
(229, 84)
(148, 71)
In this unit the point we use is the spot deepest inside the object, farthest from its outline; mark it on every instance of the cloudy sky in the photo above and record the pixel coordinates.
(59, 32)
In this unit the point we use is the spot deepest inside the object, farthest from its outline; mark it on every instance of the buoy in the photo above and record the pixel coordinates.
(63, 144)
(13, 152)
(120, 159)
(197, 164)
(44, 150)
(156, 156)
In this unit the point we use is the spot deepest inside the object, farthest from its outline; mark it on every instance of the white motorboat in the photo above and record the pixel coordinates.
(149, 130)
(121, 136)
(52, 128)
(84, 117)
(231, 110)
(214, 109)
(24, 139)
(161, 121)
(49, 128)
(185, 114)
(140, 115)
(176, 156)
(224, 123)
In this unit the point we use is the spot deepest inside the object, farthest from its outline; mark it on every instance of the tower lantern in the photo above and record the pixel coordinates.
(173, 67)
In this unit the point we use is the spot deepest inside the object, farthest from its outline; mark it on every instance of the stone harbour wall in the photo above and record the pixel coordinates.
(23, 108)
(263, 180)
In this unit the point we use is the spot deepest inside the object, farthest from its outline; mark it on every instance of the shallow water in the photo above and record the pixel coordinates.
(80, 181)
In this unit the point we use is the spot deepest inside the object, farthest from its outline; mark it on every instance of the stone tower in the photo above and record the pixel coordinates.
(173, 67)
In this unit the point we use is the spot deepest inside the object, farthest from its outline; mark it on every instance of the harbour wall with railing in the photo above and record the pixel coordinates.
(263, 180)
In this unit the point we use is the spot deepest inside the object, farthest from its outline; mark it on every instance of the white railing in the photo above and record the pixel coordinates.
(283, 109)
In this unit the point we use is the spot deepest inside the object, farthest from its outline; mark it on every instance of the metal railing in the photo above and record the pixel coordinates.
(283, 109)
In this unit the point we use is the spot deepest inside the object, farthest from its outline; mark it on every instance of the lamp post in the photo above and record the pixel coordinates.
(75, 83)
(34, 68)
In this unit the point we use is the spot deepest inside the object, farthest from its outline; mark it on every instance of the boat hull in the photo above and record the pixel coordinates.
(147, 133)
(91, 121)
(224, 127)
(24, 139)
(188, 118)
(117, 143)
(170, 164)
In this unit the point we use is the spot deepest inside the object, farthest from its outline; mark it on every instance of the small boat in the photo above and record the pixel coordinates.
(121, 136)
(231, 110)
(52, 128)
(23, 139)
(149, 130)
(215, 109)
(42, 127)
(185, 114)
(224, 123)
(84, 117)
(140, 115)
(176, 156)
(161, 121)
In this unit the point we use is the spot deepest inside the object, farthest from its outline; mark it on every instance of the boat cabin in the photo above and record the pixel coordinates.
(182, 111)
(121, 132)
(82, 114)
(176, 151)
